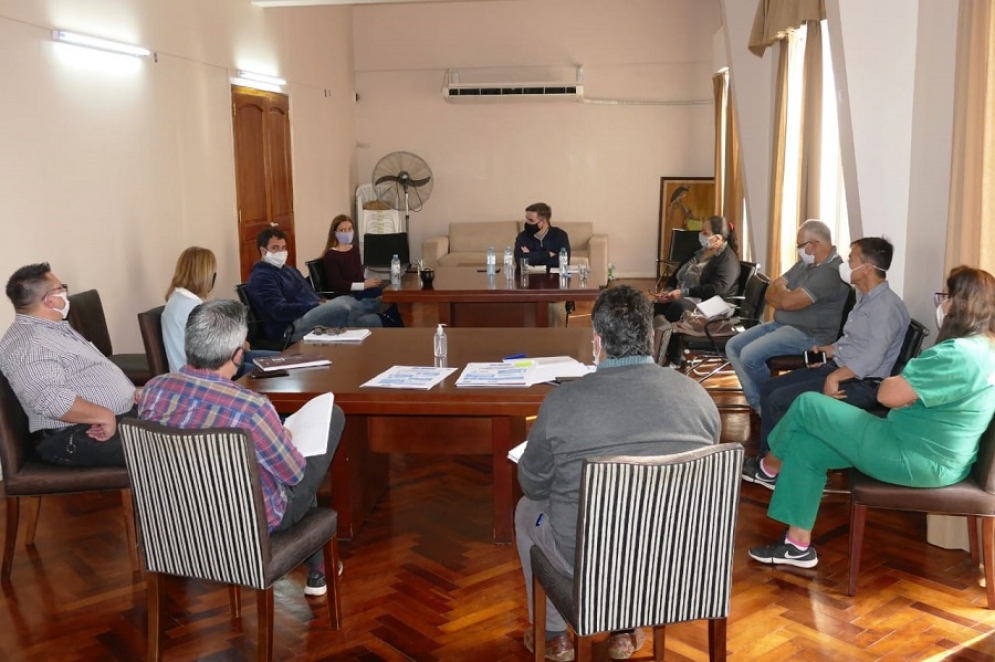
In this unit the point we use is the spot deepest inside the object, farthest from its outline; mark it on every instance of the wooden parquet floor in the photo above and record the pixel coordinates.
(423, 582)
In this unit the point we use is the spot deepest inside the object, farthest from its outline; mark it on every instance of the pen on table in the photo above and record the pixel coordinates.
(511, 357)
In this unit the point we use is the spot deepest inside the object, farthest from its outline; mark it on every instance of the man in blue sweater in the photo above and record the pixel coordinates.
(288, 306)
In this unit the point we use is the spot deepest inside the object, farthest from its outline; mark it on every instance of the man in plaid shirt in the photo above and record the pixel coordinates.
(202, 395)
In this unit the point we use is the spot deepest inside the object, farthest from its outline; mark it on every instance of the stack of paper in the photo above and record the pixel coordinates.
(309, 425)
(715, 307)
(353, 336)
(495, 375)
(404, 376)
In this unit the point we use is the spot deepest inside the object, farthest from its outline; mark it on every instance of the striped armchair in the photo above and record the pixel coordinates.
(654, 546)
(200, 514)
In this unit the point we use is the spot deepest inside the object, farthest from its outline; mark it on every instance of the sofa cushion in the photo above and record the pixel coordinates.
(478, 237)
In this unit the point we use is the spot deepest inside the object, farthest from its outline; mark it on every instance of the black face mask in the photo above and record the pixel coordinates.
(532, 228)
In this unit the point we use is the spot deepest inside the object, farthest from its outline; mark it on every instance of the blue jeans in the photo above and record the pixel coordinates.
(776, 395)
(340, 311)
(748, 353)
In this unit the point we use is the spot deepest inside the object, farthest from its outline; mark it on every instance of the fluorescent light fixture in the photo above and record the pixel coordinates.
(100, 44)
(262, 78)
(256, 85)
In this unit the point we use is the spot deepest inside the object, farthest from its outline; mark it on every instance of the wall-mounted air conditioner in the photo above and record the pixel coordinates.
(454, 92)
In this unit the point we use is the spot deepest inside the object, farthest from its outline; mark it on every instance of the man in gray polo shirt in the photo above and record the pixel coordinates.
(857, 362)
(628, 406)
(808, 303)
(72, 393)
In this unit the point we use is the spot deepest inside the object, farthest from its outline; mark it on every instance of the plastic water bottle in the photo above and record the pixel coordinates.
(491, 262)
(563, 261)
(440, 344)
(395, 271)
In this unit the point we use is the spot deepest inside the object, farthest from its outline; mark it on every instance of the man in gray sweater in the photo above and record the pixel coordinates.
(629, 406)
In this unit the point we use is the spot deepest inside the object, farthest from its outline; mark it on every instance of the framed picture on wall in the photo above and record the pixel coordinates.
(684, 203)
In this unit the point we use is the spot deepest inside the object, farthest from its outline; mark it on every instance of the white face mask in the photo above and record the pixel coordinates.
(596, 350)
(846, 273)
(64, 311)
(704, 240)
(277, 259)
(940, 316)
(807, 258)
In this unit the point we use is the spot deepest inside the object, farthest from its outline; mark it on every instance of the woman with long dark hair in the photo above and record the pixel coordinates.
(342, 263)
(940, 405)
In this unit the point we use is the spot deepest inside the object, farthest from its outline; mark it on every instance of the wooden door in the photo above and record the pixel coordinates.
(263, 177)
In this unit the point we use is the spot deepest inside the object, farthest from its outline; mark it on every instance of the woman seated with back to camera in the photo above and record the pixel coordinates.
(712, 271)
(344, 272)
(194, 276)
(940, 405)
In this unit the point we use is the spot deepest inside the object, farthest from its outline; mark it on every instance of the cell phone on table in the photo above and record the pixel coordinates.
(814, 358)
(262, 374)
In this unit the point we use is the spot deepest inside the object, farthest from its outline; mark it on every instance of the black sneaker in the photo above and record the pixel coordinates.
(754, 473)
(783, 552)
(315, 584)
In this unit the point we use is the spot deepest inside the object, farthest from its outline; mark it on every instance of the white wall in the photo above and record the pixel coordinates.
(594, 163)
(110, 174)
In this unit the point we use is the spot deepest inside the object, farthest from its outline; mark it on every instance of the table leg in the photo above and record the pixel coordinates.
(506, 433)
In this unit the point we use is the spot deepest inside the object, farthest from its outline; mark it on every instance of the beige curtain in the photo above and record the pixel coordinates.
(971, 221)
(810, 160)
(774, 18)
(777, 162)
(728, 179)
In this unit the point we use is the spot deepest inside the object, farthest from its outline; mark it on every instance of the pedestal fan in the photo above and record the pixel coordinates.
(403, 181)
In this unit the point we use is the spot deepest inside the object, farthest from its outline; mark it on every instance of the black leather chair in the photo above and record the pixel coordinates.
(25, 476)
(256, 339)
(150, 324)
(86, 315)
(705, 355)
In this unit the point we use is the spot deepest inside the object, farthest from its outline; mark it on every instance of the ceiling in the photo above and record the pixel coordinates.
(314, 3)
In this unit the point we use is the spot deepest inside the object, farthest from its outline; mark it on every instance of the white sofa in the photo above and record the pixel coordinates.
(467, 243)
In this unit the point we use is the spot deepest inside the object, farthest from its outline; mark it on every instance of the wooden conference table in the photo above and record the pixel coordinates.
(466, 296)
(445, 419)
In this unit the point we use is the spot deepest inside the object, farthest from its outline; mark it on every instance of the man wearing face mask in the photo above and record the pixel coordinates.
(614, 411)
(857, 362)
(808, 305)
(73, 395)
(540, 242)
(288, 306)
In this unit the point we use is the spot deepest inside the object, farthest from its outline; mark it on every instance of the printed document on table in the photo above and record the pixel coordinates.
(495, 375)
(404, 376)
(309, 426)
(549, 368)
(351, 336)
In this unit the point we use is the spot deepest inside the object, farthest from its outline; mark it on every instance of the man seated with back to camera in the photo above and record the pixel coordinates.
(540, 243)
(74, 396)
(202, 395)
(628, 406)
(288, 306)
(857, 362)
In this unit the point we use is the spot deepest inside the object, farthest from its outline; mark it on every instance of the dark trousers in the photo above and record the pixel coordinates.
(302, 497)
(72, 447)
(776, 395)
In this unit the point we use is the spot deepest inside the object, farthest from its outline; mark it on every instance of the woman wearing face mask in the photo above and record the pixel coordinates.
(342, 263)
(193, 279)
(940, 405)
(712, 271)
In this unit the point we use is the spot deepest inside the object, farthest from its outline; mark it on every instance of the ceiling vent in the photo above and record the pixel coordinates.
(454, 92)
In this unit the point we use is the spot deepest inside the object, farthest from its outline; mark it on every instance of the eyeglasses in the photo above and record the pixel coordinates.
(940, 297)
(328, 330)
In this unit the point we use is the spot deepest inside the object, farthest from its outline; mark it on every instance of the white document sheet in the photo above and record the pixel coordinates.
(309, 426)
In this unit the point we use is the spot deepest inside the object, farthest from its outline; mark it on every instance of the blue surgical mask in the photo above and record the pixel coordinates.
(345, 237)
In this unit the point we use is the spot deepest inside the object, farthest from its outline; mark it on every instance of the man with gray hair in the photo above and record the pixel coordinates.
(202, 395)
(628, 406)
(808, 303)
(73, 395)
